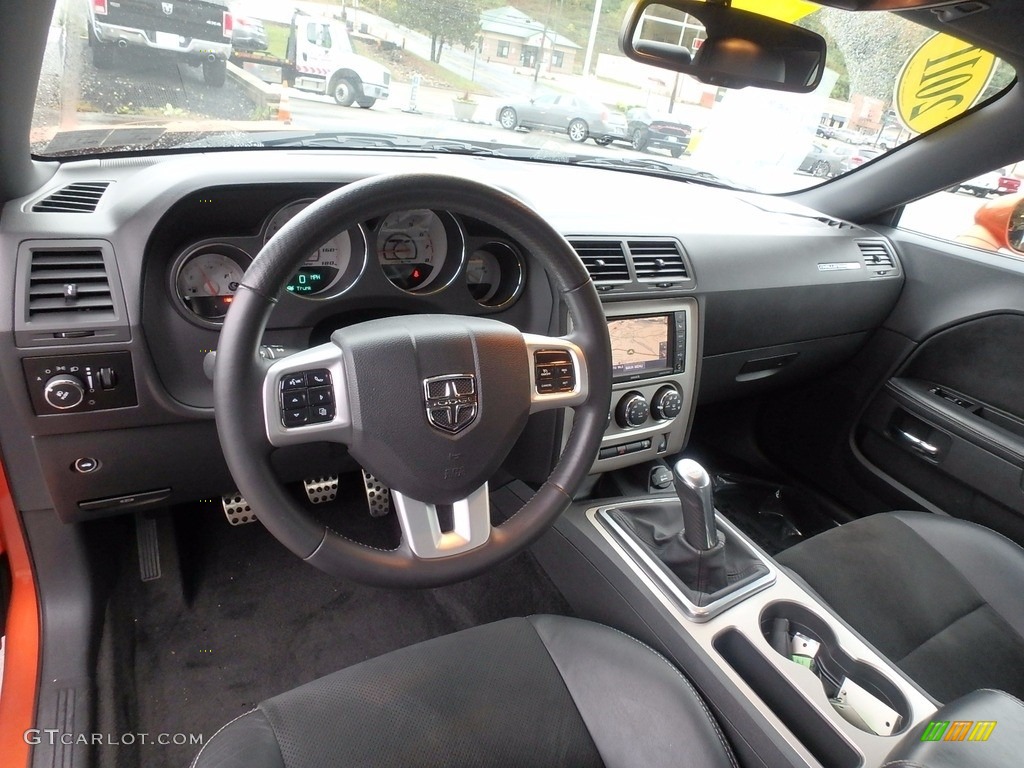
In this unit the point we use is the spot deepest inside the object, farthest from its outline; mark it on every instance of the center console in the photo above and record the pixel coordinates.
(790, 682)
(654, 374)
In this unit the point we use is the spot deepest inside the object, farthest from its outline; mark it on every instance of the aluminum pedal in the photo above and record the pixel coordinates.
(321, 489)
(237, 509)
(378, 495)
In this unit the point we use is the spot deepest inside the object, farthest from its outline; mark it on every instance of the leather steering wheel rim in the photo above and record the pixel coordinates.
(240, 373)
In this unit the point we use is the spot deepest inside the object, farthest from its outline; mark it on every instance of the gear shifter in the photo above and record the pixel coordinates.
(687, 540)
(693, 485)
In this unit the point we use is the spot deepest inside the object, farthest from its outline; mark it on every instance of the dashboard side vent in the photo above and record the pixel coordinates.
(72, 281)
(658, 260)
(836, 223)
(878, 257)
(605, 260)
(81, 197)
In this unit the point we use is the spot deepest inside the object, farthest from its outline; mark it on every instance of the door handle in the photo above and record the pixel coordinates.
(915, 443)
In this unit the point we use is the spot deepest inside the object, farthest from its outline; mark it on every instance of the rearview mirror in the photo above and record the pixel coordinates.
(724, 46)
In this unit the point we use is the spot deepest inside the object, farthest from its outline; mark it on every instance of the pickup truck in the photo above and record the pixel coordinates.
(195, 31)
(319, 58)
(996, 182)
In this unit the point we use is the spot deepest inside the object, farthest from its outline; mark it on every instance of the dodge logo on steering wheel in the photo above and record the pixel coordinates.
(451, 401)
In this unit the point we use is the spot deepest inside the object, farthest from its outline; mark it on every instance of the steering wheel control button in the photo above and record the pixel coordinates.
(321, 396)
(318, 378)
(294, 381)
(321, 413)
(296, 398)
(554, 371)
(295, 417)
(85, 465)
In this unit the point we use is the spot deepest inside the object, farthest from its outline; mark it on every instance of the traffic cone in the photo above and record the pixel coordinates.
(284, 110)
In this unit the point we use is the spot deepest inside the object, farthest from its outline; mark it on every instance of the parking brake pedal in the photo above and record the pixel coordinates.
(237, 509)
(378, 495)
(321, 489)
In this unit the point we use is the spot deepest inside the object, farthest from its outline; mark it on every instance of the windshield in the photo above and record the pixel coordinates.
(540, 80)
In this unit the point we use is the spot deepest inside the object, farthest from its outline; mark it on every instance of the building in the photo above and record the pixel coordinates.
(507, 35)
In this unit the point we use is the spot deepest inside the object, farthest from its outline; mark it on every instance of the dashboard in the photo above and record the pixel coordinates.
(114, 310)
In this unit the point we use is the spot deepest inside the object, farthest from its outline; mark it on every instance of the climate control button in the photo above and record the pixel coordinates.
(632, 410)
(667, 403)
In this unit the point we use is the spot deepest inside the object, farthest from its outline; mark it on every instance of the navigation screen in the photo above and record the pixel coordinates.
(639, 345)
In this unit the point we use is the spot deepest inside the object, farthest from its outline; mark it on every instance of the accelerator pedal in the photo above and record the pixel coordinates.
(378, 495)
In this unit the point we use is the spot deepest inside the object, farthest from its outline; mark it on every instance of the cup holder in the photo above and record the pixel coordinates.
(859, 692)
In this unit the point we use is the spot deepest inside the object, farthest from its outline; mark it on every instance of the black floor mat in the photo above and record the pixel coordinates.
(260, 622)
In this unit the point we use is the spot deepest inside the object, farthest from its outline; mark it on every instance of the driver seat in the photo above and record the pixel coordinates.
(543, 690)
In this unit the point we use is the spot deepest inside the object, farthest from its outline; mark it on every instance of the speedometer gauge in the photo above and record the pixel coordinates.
(325, 267)
(412, 247)
(207, 278)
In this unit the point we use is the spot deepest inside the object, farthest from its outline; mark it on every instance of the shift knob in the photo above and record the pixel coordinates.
(693, 486)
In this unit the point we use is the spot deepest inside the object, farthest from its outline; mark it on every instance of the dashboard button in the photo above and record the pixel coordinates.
(564, 385)
(321, 395)
(295, 417)
(296, 398)
(545, 372)
(294, 381)
(318, 378)
(545, 387)
(564, 371)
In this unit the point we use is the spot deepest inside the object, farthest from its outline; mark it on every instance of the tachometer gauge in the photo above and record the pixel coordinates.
(412, 247)
(207, 278)
(325, 267)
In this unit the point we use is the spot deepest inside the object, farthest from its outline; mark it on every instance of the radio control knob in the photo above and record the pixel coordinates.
(64, 391)
(667, 404)
(632, 410)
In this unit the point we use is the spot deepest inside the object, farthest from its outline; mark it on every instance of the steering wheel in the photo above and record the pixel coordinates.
(428, 404)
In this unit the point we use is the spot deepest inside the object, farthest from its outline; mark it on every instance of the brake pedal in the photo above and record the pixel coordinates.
(321, 489)
(237, 509)
(378, 495)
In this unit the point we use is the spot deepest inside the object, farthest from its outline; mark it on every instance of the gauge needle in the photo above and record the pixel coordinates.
(212, 288)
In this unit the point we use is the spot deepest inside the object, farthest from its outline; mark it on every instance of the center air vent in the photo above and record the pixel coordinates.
(878, 257)
(69, 282)
(658, 261)
(81, 197)
(604, 259)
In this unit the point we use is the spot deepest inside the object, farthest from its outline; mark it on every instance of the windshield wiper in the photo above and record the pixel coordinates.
(393, 141)
(658, 168)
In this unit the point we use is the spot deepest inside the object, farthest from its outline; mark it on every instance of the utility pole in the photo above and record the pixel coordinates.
(588, 59)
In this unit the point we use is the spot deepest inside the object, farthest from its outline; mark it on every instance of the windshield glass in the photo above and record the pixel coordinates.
(535, 80)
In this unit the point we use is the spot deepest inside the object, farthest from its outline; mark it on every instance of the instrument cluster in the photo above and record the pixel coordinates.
(418, 252)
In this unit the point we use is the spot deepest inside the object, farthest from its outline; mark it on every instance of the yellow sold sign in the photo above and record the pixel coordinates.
(941, 79)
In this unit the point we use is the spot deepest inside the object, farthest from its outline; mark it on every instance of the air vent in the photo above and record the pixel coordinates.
(69, 282)
(658, 260)
(836, 223)
(74, 198)
(604, 259)
(878, 257)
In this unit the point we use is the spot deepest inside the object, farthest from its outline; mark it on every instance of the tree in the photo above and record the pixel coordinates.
(446, 21)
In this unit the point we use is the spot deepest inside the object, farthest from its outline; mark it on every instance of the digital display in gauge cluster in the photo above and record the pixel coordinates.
(325, 266)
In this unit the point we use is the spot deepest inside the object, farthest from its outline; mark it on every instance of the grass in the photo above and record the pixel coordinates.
(404, 64)
(277, 38)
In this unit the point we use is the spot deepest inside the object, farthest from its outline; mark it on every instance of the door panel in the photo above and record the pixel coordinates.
(947, 424)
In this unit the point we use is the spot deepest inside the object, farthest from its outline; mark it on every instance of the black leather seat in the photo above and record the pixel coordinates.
(940, 597)
(541, 691)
